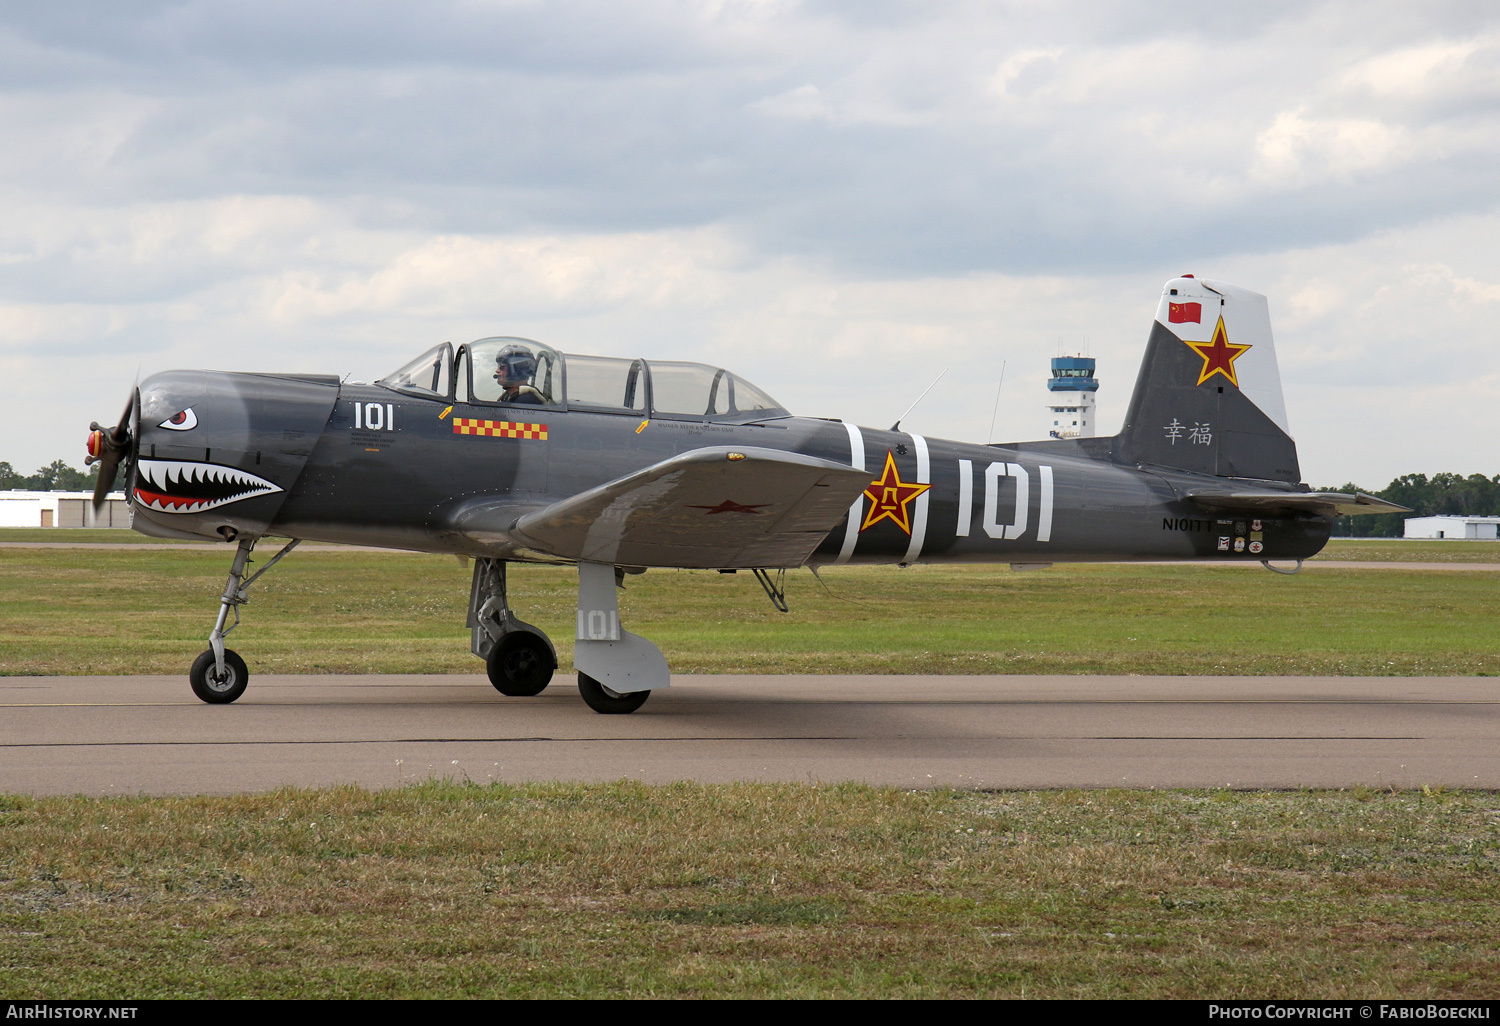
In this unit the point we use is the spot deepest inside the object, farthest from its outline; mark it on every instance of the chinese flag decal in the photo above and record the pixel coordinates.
(1177, 313)
(1218, 355)
(889, 497)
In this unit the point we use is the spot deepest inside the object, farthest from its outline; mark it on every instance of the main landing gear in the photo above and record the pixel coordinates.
(219, 676)
(518, 657)
(617, 670)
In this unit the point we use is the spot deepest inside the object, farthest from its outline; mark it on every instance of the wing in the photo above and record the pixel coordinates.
(715, 508)
(1270, 502)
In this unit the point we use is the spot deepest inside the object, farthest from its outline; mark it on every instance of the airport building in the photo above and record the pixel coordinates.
(1072, 408)
(62, 509)
(1471, 528)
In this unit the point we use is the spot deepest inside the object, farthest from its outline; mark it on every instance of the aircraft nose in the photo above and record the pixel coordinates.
(219, 450)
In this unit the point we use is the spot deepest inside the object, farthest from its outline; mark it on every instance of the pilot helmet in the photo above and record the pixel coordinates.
(519, 364)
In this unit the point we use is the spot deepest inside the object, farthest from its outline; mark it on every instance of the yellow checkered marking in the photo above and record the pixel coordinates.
(499, 429)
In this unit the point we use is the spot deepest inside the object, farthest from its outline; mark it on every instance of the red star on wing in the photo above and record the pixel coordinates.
(1218, 355)
(730, 506)
(889, 497)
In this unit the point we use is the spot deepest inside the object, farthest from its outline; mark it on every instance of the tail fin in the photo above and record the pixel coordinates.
(1208, 398)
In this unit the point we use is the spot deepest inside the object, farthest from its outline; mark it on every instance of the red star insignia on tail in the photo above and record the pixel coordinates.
(1218, 355)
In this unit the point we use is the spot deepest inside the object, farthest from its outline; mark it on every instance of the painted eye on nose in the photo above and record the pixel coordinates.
(184, 421)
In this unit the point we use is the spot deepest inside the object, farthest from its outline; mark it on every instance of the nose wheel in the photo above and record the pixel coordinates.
(214, 687)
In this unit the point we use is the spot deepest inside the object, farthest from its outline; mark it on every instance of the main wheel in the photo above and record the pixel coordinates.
(216, 690)
(520, 664)
(602, 700)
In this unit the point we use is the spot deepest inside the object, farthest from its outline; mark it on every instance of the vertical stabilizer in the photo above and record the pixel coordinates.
(1208, 398)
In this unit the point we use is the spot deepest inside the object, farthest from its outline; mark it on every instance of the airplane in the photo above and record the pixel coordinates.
(508, 450)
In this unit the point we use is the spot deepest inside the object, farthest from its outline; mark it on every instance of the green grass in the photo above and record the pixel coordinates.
(748, 890)
(87, 535)
(149, 611)
(1396, 550)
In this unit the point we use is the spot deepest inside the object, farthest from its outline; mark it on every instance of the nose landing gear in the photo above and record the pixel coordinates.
(219, 676)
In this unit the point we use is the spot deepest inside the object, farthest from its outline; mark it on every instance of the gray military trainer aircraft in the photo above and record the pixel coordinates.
(506, 449)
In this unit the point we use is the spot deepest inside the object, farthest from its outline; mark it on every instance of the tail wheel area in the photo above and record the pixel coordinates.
(213, 688)
(520, 664)
(602, 700)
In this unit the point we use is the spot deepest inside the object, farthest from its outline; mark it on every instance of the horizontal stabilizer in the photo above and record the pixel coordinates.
(1269, 502)
(713, 508)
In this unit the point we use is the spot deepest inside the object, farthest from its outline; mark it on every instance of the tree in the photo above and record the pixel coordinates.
(1444, 495)
(56, 476)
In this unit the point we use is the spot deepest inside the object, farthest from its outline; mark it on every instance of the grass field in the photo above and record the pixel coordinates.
(1396, 550)
(146, 610)
(451, 889)
(455, 890)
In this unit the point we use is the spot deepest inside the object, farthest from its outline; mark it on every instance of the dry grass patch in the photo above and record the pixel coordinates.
(450, 890)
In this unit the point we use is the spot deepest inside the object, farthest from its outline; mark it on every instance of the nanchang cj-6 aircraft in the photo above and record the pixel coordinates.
(508, 450)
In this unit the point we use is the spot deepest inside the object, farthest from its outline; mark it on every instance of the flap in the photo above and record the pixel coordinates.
(1271, 502)
(713, 508)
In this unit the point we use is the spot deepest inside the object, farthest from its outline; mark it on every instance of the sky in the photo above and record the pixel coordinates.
(836, 200)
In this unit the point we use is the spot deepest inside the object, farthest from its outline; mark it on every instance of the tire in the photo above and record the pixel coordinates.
(219, 692)
(520, 664)
(602, 700)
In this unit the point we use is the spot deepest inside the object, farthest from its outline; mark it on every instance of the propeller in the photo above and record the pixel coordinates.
(108, 446)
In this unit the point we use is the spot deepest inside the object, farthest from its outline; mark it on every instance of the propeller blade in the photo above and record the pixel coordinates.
(107, 447)
(105, 482)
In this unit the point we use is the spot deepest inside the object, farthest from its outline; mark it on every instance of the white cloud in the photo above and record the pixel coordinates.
(1296, 150)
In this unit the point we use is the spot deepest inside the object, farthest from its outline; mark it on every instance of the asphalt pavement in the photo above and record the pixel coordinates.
(148, 734)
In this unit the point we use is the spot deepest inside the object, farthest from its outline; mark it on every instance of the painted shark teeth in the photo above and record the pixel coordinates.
(178, 486)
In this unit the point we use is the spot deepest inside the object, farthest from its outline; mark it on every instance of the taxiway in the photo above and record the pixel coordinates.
(149, 735)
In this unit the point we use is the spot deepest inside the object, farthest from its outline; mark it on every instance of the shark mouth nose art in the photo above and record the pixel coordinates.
(173, 486)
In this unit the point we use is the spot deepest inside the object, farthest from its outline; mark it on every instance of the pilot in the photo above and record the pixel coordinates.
(514, 369)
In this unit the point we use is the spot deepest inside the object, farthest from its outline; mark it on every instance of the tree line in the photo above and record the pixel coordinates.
(1439, 495)
(56, 476)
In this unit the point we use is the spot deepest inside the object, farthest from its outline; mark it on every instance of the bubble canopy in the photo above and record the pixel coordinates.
(518, 371)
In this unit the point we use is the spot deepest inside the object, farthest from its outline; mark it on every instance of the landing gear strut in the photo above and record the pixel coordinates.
(617, 670)
(518, 657)
(219, 676)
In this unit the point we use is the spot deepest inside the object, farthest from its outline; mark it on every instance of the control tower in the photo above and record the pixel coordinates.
(1072, 408)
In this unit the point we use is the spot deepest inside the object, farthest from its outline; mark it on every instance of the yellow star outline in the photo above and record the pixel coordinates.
(1218, 355)
(889, 497)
